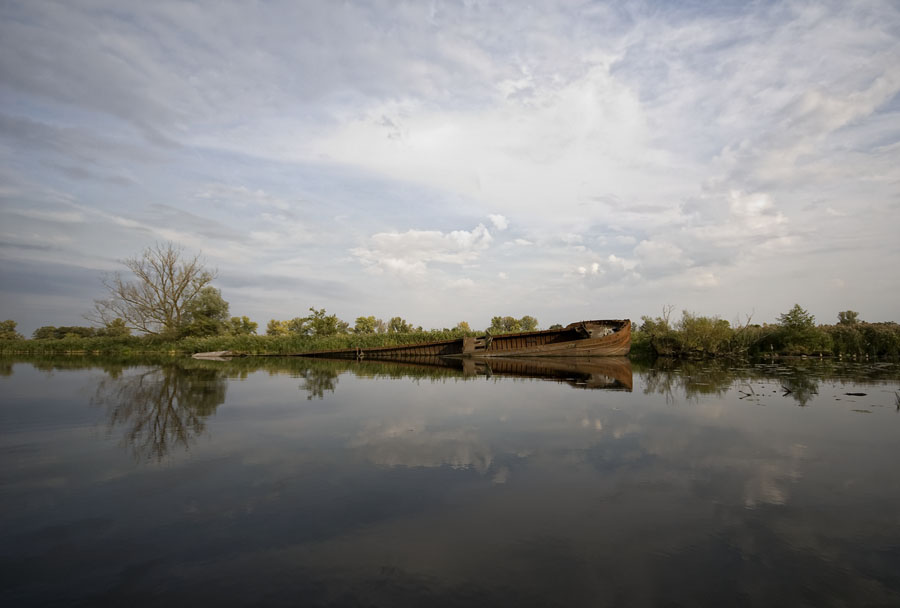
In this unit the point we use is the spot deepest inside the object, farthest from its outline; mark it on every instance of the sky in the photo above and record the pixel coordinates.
(454, 161)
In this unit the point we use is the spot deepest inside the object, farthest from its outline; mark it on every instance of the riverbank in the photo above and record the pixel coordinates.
(245, 344)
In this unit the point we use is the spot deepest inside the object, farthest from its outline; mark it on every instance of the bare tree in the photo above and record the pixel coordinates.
(157, 302)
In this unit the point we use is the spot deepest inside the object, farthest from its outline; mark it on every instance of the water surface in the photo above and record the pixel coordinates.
(296, 482)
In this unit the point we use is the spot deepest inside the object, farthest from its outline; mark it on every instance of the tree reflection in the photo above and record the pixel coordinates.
(317, 380)
(161, 408)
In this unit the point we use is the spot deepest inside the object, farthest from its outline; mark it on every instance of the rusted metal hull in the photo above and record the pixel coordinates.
(603, 338)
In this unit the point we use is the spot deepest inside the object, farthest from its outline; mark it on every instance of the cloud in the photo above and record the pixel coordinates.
(499, 221)
(242, 196)
(410, 252)
(741, 151)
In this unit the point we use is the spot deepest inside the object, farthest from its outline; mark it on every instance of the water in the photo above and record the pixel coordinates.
(293, 482)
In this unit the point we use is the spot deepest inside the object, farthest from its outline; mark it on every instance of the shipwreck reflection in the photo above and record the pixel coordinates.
(608, 373)
(161, 408)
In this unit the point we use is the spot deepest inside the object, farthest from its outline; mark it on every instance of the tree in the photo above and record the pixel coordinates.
(158, 301)
(504, 325)
(528, 323)
(365, 325)
(240, 326)
(115, 329)
(398, 326)
(46, 332)
(797, 319)
(798, 332)
(848, 317)
(206, 314)
(321, 324)
(8, 331)
(277, 328)
(463, 326)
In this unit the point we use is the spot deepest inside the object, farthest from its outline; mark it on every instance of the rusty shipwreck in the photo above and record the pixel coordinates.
(599, 338)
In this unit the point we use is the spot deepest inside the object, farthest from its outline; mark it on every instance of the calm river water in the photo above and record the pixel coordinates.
(314, 483)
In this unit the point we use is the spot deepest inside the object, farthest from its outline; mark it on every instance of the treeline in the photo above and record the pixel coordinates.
(317, 331)
(795, 333)
(319, 323)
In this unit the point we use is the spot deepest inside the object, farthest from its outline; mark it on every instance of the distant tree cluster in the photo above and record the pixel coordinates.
(116, 328)
(795, 333)
(505, 325)
(318, 323)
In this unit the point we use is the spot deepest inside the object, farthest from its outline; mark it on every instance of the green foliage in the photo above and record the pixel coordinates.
(318, 323)
(276, 328)
(505, 325)
(528, 323)
(365, 325)
(8, 331)
(398, 326)
(240, 326)
(864, 339)
(848, 317)
(796, 319)
(704, 336)
(798, 334)
(694, 336)
(115, 328)
(463, 326)
(49, 332)
(206, 314)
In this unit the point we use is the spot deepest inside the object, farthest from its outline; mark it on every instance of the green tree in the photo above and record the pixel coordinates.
(463, 326)
(798, 332)
(298, 325)
(503, 325)
(796, 319)
(241, 326)
(321, 324)
(848, 317)
(8, 331)
(158, 300)
(399, 326)
(116, 328)
(528, 323)
(277, 328)
(46, 332)
(365, 325)
(206, 314)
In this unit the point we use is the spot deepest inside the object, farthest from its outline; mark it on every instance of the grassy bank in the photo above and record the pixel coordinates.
(246, 344)
(690, 337)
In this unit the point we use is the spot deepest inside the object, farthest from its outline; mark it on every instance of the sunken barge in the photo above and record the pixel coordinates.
(601, 338)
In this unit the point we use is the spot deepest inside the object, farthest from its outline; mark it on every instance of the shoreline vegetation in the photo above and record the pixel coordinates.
(169, 301)
(690, 337)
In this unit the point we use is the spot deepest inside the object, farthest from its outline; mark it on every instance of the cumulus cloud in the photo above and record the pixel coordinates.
(410, 252)
(500, 222)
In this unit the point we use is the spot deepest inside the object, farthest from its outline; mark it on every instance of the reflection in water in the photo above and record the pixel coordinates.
(610, 373)
(465, 486)
(162, 407)
(317, 380)
(798, 380)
